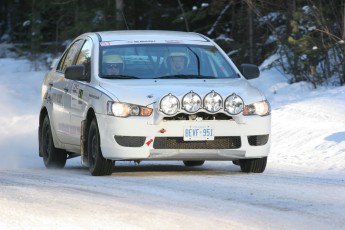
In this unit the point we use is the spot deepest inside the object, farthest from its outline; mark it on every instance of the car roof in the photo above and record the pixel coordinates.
(150, 34)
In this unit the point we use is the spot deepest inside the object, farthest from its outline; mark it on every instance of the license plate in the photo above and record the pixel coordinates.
(198, 133)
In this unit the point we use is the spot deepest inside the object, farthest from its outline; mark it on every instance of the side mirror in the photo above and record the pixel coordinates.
(76, 72)
(250, 71)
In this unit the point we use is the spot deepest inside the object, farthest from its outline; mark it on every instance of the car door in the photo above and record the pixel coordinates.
(78, 97)
(59, 94)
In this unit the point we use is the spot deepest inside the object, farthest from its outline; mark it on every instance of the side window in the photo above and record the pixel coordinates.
(84, 57)
(69, 56)
(62, 60)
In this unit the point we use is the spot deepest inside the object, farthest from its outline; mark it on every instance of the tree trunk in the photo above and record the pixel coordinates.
(36, 24)
(342, 81)
(9, 21)
(291, 8)
(343, 20)
(120, 18)
(184, 15)
(250, 9)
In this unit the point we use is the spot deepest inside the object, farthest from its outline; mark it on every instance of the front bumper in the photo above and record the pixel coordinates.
(134, 138)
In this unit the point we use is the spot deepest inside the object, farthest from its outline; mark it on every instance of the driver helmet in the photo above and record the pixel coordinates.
(113, 61)
(177, 54)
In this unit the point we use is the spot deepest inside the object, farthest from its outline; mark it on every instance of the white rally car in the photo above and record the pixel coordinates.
(151, 95)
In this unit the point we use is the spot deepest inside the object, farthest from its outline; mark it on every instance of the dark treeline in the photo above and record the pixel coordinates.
(307, 36)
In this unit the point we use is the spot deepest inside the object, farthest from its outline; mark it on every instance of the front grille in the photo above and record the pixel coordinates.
(258, 140)
(130, 141)
(178, 143)
(201, 115)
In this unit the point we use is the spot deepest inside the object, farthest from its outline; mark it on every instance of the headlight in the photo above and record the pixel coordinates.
(118, 109)
(233, 104)
(213, 102)
(261, 108)
(169, 104)
(191, 102)
(44, 92)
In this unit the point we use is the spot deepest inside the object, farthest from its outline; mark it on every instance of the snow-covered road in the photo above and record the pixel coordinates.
(303, 186)
(170, 196)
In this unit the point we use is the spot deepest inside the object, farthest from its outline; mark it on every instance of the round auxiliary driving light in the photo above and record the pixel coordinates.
(213, 102)
(234, 104)
(191, 102)
(169, 104)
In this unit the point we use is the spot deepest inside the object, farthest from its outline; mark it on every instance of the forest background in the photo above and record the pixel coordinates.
(302, 38)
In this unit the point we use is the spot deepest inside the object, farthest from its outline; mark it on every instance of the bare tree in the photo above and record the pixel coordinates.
(219, 18)
(343, 19)
(183, 15)
(250, 9)
(291, 9)
(120, 18)
(36, 23)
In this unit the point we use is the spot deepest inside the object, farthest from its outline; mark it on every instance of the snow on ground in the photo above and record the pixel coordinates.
(308, 125)
(303, 186)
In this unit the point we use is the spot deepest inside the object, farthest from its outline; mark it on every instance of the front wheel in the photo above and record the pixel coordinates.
(193, 163)
(52, 157)
(253, 165)
(98, 165)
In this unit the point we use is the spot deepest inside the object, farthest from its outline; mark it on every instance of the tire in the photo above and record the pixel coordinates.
(193, 163)
(52, 157)
(98, 165)
(236, 162)
(253, 165)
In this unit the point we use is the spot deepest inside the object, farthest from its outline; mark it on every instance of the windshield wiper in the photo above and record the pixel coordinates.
(180, 76)
(206, 77)
(184, 76)
(119, 77)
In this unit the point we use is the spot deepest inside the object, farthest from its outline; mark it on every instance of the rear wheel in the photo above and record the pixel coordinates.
(52, 157)
(98, 165)
(193, 163)
(253, 165)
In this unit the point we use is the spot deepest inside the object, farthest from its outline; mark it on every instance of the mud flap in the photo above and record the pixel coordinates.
(40, 152)
(83, 144)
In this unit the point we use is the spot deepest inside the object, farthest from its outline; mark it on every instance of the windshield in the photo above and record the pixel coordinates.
(154, 61)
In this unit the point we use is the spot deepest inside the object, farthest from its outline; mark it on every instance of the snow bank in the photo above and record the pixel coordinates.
(19, 104)
(308, 125)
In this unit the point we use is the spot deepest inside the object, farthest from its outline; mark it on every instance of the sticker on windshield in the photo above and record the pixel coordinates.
(174, 41)
(105, 43)
(142, 41)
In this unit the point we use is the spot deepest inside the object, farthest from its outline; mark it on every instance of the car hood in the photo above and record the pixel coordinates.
(149, 91)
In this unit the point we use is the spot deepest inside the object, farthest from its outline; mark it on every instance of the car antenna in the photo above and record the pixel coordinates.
(124, 19)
